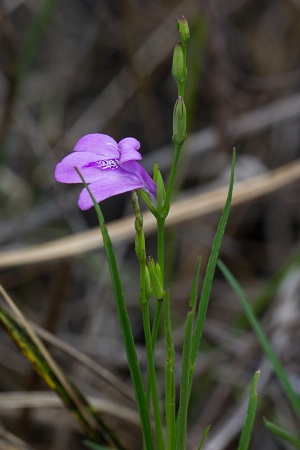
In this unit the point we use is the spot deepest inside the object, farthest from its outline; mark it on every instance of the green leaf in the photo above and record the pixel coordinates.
(93, 446)
(292, 396)
(209, 275)
(282, 434)
(205, 433)
(265, 297)
(181, 423)
(251, 412)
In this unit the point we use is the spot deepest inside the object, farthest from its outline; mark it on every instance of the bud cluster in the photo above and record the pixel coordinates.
(179, 72)
(155, 279)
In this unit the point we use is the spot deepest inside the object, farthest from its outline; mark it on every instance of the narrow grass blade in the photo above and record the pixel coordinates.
(267, 348)
(91, 445)
(124, 321)
(210, 271)
(170, 377)
(207, 428)
(282, 434)
(251, 413)
(181, 422)
(261, 302)
(33, 349)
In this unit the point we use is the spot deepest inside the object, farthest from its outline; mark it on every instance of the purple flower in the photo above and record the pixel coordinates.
(108, 167)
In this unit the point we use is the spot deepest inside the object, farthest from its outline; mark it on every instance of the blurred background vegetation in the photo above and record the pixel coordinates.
(68, 68)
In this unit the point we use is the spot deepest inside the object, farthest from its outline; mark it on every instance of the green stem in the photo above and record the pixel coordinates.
(181, 421)
(170, 378)
(161, 262)
(158, 306)
(178, 148)
(161, 246)
(150, 359)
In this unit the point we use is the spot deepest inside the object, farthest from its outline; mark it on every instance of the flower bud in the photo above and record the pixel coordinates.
(148, 284)
(183, 28)
(178, 65)
(160, 187)
(138, 223)
(179, 122)
(140, 245)
(135, 202)
(155, 278)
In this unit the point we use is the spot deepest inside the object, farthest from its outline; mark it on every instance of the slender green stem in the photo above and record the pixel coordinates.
(161, 262)
(170, 378)
(181, 90)
(282, 434)
(178, 148)
(154, 333)
(207, 428)
(246, 433)
(158, 306)
(161, 246)
(151, 364)
(181, 422)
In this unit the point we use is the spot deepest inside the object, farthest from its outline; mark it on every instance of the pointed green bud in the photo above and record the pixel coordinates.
(158, 271)
(155, 171)
(184, 31)
(156, 282)
(138, 223)
(148, 284)
(179, 65)
(179, 122)
(135, 202)
(160, 188)
(140, 245)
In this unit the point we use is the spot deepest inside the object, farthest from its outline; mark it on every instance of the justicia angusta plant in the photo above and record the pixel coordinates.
(109, 168)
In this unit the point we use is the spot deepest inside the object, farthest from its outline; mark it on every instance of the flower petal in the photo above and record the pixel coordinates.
(148, 184)
(115, 182)
(65, 172)
(129, 150)
(101, 144)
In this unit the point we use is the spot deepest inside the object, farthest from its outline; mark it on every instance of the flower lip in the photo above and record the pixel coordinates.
(109, 168)
(104, 164)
